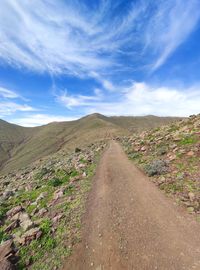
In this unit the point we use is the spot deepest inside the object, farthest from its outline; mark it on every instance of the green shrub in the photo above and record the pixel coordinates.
(135, 155)
(162, 150)
(3, 236)
(157, 167)
(55, 182)
(190, 139)
(45, 226)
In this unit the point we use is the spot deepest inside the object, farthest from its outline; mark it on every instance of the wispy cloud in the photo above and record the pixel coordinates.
(71, 101)
(170, 26)
(6, 93)
(8, 107)
(33, 120)
(72, 38)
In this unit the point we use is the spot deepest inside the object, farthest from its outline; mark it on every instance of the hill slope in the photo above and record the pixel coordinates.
(19, 146)
(170, 155)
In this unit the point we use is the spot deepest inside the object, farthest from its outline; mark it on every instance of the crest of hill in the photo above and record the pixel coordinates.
(20, 146)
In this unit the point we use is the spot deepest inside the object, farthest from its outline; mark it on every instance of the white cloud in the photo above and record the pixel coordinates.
(71, 101)
(6, 93)
(8, 108)
(108, 85)
(33, 120)
(143, 99)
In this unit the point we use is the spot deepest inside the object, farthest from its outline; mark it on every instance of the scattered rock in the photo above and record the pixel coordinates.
(190, 153)
(58, 194)
(41, 197)
(7, 194)
(30, 235)
(12, 226)
(8, 257)
(42, 212)
(25, 221)
(191, 196)
(57, 218)
(14, 211)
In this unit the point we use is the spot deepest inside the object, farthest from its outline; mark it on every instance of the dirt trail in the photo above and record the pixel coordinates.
(130, 224)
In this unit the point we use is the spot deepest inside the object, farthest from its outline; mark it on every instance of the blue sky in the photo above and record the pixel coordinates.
(60, 60)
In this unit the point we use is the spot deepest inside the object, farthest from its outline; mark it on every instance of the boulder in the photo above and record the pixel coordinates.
(12, 212)
(25, 221)
(8, 258)
(190, 153)
(58, 194)
(12, 226)
(7, 194)
(191, 196)
(57, 218)
(42, 212)
(30, 235)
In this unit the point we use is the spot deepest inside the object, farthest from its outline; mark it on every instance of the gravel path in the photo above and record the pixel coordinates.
(130, 224)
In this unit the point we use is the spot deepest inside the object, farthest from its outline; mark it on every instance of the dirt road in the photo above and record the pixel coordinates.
(130, 224)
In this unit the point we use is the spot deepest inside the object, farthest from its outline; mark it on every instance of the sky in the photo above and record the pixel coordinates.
(61, 60)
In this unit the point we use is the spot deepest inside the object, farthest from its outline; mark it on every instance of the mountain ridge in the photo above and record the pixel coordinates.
(19, 146)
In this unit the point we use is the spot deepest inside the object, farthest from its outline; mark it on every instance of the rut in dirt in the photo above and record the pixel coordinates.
(130, 224)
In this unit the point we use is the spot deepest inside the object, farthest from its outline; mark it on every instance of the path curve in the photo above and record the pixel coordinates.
(131, 225)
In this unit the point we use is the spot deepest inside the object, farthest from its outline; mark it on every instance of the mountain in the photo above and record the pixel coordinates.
(19, 146)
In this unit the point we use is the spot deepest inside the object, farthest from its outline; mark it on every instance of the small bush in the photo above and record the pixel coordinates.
(162, 150)
(77, 150)
(190, 139)
(135, 155)
(55, 182)
(157, 167)
(45, 226)
(3, 236)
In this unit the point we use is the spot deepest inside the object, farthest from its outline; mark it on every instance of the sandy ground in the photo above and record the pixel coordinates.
(130, 224)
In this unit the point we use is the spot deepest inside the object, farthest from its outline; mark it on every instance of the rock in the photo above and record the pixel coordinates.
(81, 166)
(8, 258)
(41, 196)
(57, 218)
(190, 153)
(42, 212)
(191, 196)
(84, 174)
(25, 221)
(58, 194)
(12, 226)
(14, 211)
(7, 194)
(30, 235)
(143, 149)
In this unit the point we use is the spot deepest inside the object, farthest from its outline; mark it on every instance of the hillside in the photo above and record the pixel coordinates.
(170, 156)
(20, 146)
(42, 205)
(140, 123)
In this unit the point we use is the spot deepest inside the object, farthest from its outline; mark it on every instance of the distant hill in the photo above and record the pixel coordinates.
(19, 146)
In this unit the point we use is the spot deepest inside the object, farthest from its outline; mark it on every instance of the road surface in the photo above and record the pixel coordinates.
(130, 224)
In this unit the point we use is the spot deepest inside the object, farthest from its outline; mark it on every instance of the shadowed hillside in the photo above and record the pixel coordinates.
(19, 146)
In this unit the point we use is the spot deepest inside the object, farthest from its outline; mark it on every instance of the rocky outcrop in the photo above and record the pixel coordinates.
(8, 258)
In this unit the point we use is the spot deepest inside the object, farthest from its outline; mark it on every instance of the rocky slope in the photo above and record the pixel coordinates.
(41, 207)
(170, 155)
